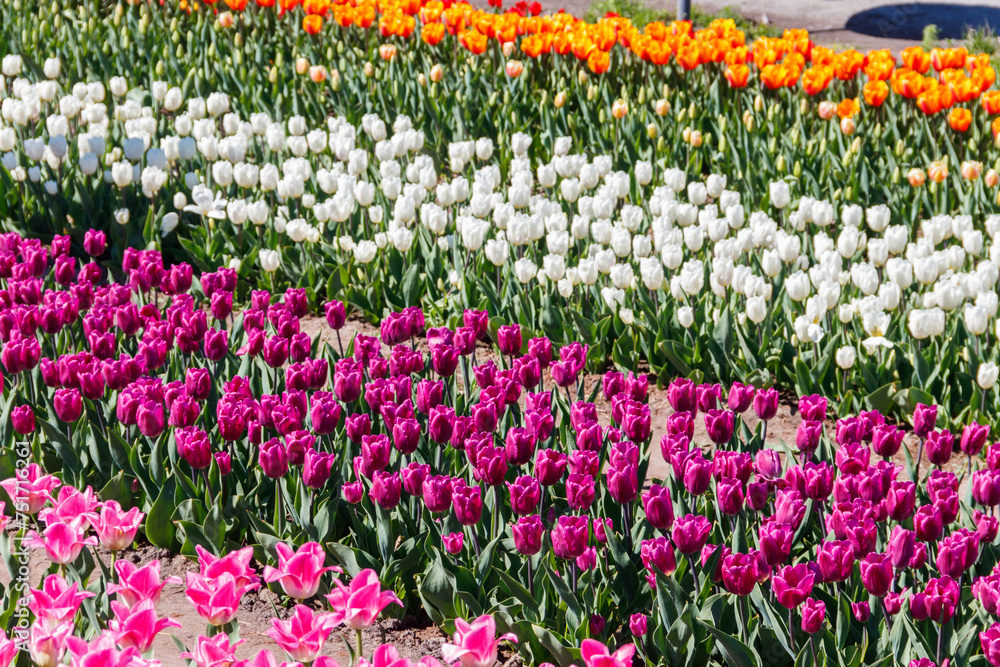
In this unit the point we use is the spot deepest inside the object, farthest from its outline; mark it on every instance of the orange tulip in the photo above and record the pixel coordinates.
(847, 64)
(943, 59)
(959, 119)
(689, 56)
(236, 5)
(879, 65)
(312, 24)
(916, 59)
(432, 33)
(995, 127)
(513, 68)
(875, 93)
(598, 61)
(473, 40)
(737, 76)
(990, 102)
(816, 79)
(848, 107)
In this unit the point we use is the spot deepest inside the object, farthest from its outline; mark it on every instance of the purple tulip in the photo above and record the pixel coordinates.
(570, 536)
(720, 425)
(792, 584)
(528, 532)
(682, 395)
(468, 503)
(273, 459)
(658, 507)
(876, 573)
(924, 419)
(22, 418)
(316, 468)
(813, 614)
(690, 533)
(765, 403)
(525, 494)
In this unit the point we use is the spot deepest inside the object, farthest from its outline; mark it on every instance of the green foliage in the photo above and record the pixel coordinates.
(636, 11)
(930, 37)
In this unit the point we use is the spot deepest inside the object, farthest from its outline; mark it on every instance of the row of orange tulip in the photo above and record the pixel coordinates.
(958, 78)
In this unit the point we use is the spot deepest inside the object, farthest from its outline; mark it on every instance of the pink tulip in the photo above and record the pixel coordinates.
(102, 651)
(299, 571)
(213, 651)
(139, 583)
(137, 627)
(57, 601)
(71, 504)
(236, 563)
(62, 542)
(47, 645)
(596, 654)
(357, 606)
(385, 655)
(8, 650)
(30, 488)
(303, 635)
(116, 529)
(475, 644)
(215, 599)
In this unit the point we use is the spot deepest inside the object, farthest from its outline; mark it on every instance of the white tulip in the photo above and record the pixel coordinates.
(846, 356)
(986, 375)
(780, 194)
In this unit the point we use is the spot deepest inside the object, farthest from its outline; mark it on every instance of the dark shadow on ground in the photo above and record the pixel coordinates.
(908, 20)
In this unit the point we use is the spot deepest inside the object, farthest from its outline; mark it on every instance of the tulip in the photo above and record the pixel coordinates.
(638, 625)
(358, 605)
(22, 418)
(386, 488)
(68, 404)
(116, 529)
(528, 532)
(775, 541)
(876, 573)
(550, 466)
(453, 542)
(813, 615)
(937, 602)
(740, 397)
(475, 644)
(273, 459)
(765, 403)
(740, 573)
(299, 572)
(569, 536)
(658, 507)
(940, 445)
(213, 651)
(468, 503)
(302, 636)
(901, 547)
(62, 542)
(509, 339)
(792, 584)
(720, 425)
(137, 627)
(682, 395)
(729, 493)
(596, 654)
(690, 533)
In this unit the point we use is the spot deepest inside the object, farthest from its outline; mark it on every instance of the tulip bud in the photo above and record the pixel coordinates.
(856, 145)
(900, 147)
(748, 120)
(591, 93)
(682, 115)
(696, 138)
(661, 107)
(992, 178)
(273, 75)
(661, 145)
(686, 135)
(895, 176)
(780, 164)
(582, 77)
(797, 169)
(651, 131)
(722, 122)
(560, 99)
(722, 144)
(422, 80)
(641, 98)
(369, 70)
(437, 73)
(601, 117)
(804, 106)
(691, 109)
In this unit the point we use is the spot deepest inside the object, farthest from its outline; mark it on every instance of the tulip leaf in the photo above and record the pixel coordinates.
(574, 614)
(736, 653)
(159, 529)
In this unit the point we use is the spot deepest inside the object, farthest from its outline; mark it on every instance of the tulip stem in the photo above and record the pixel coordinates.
(812, 647)
(940, 634)
(920, 456)
(357, 658)
(340, 344)
(791, 631)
